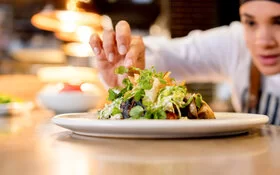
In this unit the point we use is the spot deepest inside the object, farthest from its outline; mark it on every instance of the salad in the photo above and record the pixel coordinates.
(147, 94)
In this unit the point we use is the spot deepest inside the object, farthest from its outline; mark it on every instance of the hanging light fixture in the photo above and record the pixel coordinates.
(72, 24)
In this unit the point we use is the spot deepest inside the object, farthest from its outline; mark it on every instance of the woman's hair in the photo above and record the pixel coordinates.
(243, 1)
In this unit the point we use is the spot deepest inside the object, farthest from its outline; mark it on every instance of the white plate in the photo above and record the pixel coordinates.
(15, 107)
(224, 124)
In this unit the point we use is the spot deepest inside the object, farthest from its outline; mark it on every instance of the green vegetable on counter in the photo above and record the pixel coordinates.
(4, 99)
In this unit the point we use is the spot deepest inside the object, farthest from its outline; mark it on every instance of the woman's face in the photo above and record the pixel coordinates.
(261, 20)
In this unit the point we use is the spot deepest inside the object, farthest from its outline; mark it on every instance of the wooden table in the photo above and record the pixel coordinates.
(30, 144)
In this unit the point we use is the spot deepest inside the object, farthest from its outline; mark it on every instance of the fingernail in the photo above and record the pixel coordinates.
(122, 49)
(128, 62)
(111, 57)
(96, 50)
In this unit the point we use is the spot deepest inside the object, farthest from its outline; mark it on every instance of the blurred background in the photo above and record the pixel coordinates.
(35, 34)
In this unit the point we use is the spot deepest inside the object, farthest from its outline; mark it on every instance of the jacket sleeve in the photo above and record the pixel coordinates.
(201, 56)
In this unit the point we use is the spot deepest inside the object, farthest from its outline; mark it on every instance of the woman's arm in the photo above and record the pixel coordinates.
(203, 56)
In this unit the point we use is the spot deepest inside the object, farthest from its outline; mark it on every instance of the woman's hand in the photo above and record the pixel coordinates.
(115, 49)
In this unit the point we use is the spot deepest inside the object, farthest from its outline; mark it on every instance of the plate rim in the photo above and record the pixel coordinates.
(159, 128)
(61, 117)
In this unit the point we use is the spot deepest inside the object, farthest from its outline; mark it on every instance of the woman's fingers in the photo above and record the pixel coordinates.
(118, 45)
(109, 45)
(136, 50)
(123, 37)
(96, 44)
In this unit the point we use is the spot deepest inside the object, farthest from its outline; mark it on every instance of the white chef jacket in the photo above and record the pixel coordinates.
(218, 54)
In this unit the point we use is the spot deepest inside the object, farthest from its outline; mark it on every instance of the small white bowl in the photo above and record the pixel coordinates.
(68, 102)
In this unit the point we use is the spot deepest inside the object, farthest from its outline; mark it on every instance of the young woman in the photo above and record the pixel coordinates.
(246, 54)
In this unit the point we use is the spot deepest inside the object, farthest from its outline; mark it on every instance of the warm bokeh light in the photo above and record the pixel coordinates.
(67, 74)
(66, 21)
(71, 25)
(84, 33)
(71, 5)
(77, 49)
